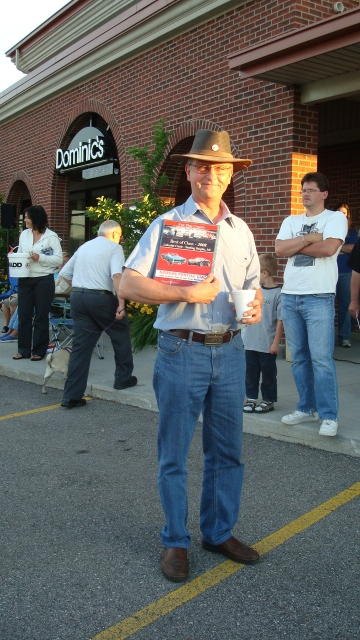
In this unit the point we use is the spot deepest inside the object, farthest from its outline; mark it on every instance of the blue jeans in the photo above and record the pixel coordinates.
(260, 364)
(343, 298)
(309, 330)
(190, 378)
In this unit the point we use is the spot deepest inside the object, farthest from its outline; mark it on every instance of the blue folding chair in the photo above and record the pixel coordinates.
(61, 326)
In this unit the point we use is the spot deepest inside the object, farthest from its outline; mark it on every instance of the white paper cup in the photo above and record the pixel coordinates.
(241, 298)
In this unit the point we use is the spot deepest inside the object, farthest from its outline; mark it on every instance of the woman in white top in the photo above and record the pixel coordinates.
(36, 292)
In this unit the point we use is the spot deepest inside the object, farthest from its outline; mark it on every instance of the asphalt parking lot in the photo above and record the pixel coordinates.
(80, 534)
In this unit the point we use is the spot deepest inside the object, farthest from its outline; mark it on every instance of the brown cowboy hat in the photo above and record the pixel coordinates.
(213, 146)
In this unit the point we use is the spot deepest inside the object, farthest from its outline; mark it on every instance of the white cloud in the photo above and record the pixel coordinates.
(20, 18)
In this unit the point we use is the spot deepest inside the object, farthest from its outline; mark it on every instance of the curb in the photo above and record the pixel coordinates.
(268, 426)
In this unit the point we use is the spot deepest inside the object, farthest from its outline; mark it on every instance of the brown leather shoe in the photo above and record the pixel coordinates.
(174, 564)
(235, 550)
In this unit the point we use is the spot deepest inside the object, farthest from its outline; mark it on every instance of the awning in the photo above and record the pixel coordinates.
(323, 59)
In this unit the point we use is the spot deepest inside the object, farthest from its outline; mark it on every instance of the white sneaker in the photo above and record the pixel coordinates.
(299, 416)
(328, 428)
(346, 343)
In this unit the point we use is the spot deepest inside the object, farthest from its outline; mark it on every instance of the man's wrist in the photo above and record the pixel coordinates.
(180, 294)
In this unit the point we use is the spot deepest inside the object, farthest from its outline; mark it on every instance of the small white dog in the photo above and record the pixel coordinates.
(56, 361)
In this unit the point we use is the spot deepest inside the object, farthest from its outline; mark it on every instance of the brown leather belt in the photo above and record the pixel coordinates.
(209, 339)
(84, 290)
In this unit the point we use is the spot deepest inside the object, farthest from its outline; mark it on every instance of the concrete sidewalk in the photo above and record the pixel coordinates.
(100, 385)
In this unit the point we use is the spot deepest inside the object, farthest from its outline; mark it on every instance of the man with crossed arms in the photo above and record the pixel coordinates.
(311, 242)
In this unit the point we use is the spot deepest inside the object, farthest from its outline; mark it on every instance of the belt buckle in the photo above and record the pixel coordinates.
(213, 339)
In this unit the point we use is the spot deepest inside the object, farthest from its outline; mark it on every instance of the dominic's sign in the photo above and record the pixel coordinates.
(84, 153)
(86, 148)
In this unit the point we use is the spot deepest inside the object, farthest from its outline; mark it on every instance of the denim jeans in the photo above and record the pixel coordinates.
(309, 330)
(343, 299)
(261, 365)
(190, 378)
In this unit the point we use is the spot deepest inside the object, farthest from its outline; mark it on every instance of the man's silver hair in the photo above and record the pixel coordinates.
(108, 227)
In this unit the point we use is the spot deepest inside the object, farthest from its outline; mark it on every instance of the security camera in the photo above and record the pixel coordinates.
(339, 7)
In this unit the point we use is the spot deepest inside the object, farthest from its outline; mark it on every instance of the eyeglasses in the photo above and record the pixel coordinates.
(219, 169)
(310, 191)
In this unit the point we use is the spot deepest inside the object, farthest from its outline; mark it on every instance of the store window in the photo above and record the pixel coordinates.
(81, 227)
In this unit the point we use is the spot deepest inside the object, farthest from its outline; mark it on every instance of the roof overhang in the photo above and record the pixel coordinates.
(135, 27)
(323, 59)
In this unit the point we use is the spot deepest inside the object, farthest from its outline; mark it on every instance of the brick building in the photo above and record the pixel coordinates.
(282, 76)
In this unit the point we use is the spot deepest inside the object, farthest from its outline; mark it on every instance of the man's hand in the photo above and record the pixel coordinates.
(121, 308)
(354, 306)
(254, 314)
(203, 292)
(354, 309)
(35, 257)
(313, 237)
(120, 312)
(274, 348)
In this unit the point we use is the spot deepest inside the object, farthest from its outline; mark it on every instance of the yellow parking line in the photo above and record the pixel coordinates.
(30, 411)
(27, 413)
(190, 590)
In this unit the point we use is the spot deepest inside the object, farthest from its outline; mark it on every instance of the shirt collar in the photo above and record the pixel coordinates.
(191, 208)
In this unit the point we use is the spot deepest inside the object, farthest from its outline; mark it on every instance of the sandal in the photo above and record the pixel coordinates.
(249, 406)
(264, 407)
(19, 356)
(36, 357)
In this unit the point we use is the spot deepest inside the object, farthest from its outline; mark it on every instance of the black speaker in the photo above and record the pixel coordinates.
(8, 216)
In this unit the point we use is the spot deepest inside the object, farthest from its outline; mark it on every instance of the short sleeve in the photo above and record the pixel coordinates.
(117, 260)
(143, 257)
(285, 230)
(336, 227)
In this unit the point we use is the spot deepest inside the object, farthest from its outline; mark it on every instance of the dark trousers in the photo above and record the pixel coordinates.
(264, 365)
(34, 301)
(92, 314)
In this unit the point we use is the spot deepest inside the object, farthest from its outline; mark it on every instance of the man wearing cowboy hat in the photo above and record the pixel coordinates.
(200, 364)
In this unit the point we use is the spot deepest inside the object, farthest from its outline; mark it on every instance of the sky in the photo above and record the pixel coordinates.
(17, 21)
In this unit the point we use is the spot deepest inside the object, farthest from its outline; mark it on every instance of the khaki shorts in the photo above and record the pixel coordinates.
(11, 301)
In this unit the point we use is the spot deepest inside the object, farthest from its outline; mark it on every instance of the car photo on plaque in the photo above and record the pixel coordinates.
(199, 262)
(173, 258)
